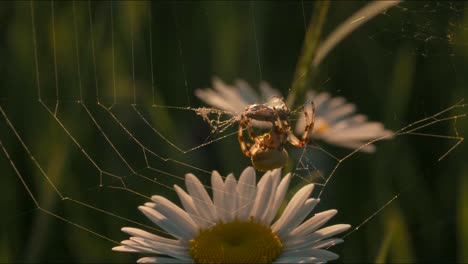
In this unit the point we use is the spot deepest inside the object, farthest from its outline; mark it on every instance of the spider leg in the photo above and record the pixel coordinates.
(279, 132)
(308, 128)
(245, 147)
(279, 123)
(248, 126)
(295, 141)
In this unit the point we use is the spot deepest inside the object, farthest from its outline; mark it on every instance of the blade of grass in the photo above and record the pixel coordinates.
(385, 246)
(349, 25)
(304, 72)
(401, 248)
(313, 53)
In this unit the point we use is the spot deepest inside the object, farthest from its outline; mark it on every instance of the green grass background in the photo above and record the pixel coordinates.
(402, 66)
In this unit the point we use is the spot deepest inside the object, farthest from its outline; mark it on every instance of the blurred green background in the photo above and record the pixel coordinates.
(404, 65)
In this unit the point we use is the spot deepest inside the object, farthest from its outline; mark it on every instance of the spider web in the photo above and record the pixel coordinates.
(93, 125)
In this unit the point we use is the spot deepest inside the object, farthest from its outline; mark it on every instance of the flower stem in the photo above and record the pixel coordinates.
(313, 53)
(305, 70)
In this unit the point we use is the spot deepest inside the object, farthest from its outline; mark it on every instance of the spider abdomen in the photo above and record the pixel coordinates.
(269, 159)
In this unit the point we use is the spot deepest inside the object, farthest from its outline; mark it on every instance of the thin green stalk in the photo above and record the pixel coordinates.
(313, 53)
(353, 22)
(305, 71)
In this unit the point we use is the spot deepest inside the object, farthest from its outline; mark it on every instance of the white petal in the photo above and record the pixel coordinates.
(352, 145)
(316, 253)
(293, 259)
(313, 223)
(365, 131)
(276, 174)
(214, 99)
(301, 214)
(162, 248)
(217, 186)
(165, 223)
(304, 241)
(247, 190)
(201, 199)
(263, 178)
(327, 243)
(247, 93)
(151, 205)
(264, 189)
(275, 179)
(320, 100)
(291, 209)
(189, 206)
(132, 246)
(125, 249)
(230, 94)
(230, 198)
(319, 244)
(335, 102)
(160, 260)
(178, 216)
(141, 233)
(279, 197)
(340, 111)
(267, 91)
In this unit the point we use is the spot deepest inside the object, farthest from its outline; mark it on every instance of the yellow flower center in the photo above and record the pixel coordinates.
(321, 127)
(236, 242)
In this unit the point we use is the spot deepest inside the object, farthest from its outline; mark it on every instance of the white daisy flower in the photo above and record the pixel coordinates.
(336, 121)
(238, 225)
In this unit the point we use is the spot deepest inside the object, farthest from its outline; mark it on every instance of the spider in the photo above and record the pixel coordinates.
(268, 111)
(267, 151)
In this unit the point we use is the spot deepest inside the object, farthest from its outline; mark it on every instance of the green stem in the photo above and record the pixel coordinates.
(305, 71)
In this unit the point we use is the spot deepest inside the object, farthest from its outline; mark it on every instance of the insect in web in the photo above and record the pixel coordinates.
(267, 151)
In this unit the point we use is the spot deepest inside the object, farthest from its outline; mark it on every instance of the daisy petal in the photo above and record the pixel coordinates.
(141, 233)
(218, 194)
(317, 253)
(160, 260)
(354, 145)
(247, 190)
(263, 196)
(291, 210)
(319, 244)
(130, 249)
(172, 211)
(226, 91)
(299, 217)
(328, 243)
(341, 111)
(200, 197)
(212, 98)
(288, 260)
(162, 248)
(275, 176)
(279, 197)
(230, 198)
(132, 246)
(164, 222)
(308, 240)
(247, 93)
(267, 91)
(189, 206)
(313, 223)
